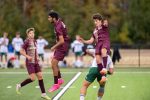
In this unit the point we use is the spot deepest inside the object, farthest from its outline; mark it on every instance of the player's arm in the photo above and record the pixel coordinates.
(60, 42)
(105, 22)
(88, 51)
(110, 71)
(90, 41)
(13, 43)
(22, 52)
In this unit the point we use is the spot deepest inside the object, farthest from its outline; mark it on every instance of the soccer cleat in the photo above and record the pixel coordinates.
(60, 81)
(103, 79)
(18, 89)
(54, 88)
(45, 97)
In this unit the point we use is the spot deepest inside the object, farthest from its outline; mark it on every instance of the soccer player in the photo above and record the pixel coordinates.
(17, 42)
(101, 37)
(93, 74)
(29, 50)
(3, 47)
(60, 48)
(77, 47)
(41, 43)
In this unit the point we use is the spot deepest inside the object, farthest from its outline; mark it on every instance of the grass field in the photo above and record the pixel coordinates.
(125, 84)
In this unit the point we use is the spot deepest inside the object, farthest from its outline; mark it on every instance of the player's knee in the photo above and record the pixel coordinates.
(53, 63)
(33, 78)
(85, 85)
(40, 77)
(102, 84)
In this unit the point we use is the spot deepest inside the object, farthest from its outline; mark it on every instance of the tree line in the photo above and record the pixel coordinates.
(128, 19)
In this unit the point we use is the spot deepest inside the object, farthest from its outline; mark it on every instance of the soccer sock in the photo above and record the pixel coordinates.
(99, 98)
(82, 97)
(100, 66)
(105, 61)
(59, 74)
(55, 79)
(41, 84)
(101, 90)
(25, 82)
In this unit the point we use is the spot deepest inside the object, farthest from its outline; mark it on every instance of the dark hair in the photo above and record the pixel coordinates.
(54, 14)
(97, 16)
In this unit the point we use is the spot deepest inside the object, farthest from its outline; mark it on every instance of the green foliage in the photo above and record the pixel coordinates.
(128, 20)
(139, 20)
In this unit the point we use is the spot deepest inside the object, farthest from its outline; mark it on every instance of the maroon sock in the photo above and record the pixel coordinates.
(59, 74)
(105, 61)
(55, 79)
(25, 82)
(41, 84)
(100, 66)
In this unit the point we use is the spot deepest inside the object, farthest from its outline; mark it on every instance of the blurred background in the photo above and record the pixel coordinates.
(128, 23)
(129, 27)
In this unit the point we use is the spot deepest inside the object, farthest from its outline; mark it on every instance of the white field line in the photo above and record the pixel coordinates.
(67, 86)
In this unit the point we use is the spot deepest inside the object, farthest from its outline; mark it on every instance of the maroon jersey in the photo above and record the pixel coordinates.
(60, 29)
(101, 34)
(30, 48)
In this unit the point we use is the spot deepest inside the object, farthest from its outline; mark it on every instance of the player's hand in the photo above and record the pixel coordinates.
(103, 71)
(52, 49)
(81, 39)
(105, 23)
(29, 58)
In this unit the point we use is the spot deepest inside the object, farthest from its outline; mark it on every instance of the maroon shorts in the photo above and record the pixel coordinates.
(101, 45)
(33, 68)
(61, 52)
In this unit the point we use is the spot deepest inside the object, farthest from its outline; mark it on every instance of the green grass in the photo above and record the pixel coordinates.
(137, 85)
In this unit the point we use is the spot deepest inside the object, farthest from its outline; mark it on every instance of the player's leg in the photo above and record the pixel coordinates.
(104, 56)
(83, 89)
(18, 55)
(41, 84)
(32, 77)
(99, 62)
(101, 88)
(98, 56)
(1, 57)
(5, 54)
(39, 56)
(25, 82)
(90, 77)
(42, 56)
(56, 73)
(101, 91)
